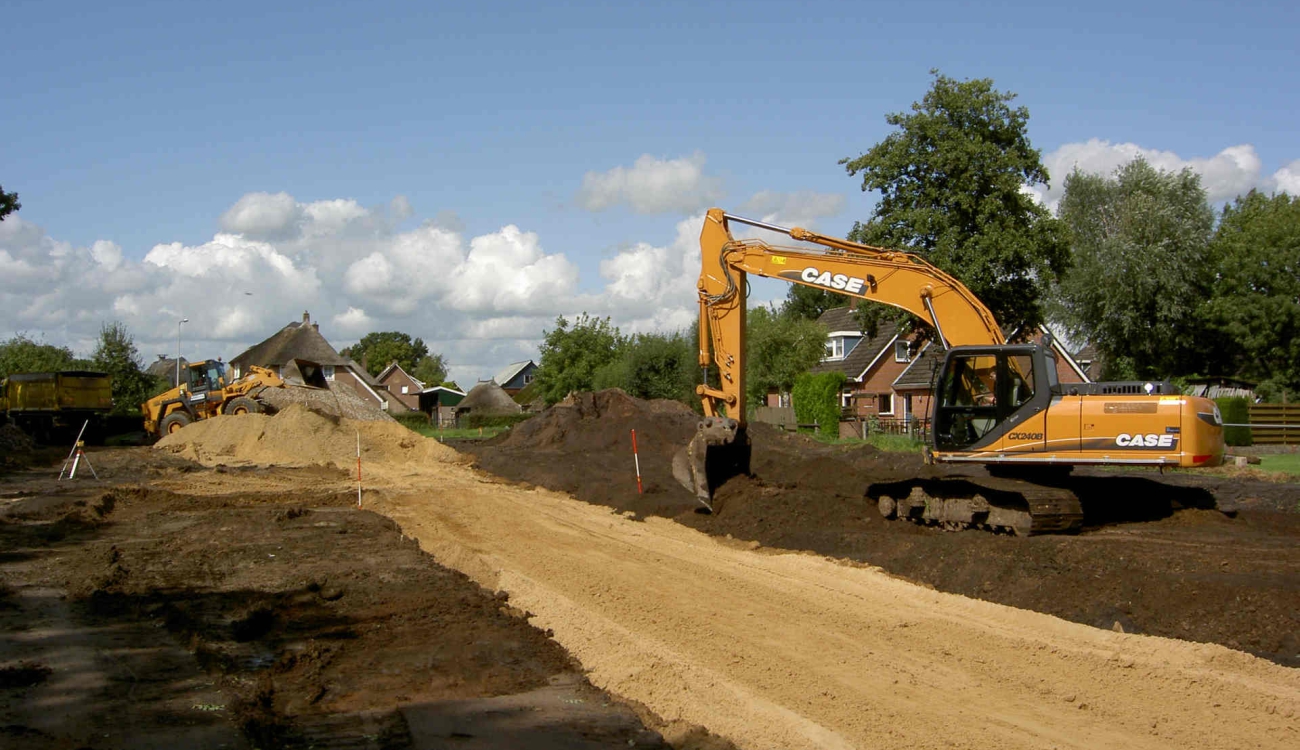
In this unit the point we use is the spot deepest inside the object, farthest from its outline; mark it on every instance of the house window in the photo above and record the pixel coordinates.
(901, 352)
(405, 389)
(835, 348)
(885, 404)
(528, 379)
(328, 371)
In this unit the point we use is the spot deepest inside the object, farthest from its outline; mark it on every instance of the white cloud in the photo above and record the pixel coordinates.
(354, 321)
(652, 186)
(1287, 178)
(262, 215)
(1231, 172)
(482, 301)
(801, 209)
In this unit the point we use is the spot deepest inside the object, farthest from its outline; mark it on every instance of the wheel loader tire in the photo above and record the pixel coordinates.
(243, 405)
(173, 422)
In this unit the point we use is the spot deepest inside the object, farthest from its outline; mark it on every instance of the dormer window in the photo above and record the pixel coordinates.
(901, 353)
(835, 348)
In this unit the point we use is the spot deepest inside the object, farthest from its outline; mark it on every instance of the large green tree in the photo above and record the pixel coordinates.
(653, 365)
(779, 347)
(23, 354)
(1255, 295)
(1140, 268)
(431, 370)
(115, 354)
(8, 203)
(810, 302)
(572, 353)
(952, 182)
(378, 350)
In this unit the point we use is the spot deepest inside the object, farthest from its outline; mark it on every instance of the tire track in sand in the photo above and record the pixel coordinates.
(796, 651)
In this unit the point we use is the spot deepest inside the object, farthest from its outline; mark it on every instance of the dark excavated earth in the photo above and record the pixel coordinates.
(1156, 555)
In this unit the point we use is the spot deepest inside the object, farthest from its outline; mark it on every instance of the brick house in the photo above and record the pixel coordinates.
(303, 340)
(401, 385)
(870, 366)
(890, 377)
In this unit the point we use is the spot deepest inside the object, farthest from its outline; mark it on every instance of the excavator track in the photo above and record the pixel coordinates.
(993, 504)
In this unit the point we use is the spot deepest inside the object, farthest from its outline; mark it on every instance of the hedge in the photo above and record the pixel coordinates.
(817, 399)
(473, 420)
(1235, 410)
(413, 420)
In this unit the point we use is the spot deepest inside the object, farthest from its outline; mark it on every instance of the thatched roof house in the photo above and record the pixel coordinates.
(303, 341)
(488, 398)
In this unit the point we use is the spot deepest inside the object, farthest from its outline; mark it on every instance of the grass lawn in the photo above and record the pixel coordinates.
(881, 441)
(1287, 462)
(458, 433)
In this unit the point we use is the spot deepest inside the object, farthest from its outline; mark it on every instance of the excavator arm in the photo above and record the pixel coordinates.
(898, 279)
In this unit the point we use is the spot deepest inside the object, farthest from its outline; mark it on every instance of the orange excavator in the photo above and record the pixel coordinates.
(995, 404)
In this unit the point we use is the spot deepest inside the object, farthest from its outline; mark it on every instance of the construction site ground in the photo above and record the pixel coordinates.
(222, 589)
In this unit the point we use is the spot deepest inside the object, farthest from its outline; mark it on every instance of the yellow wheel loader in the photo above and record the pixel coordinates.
(207, 391)
(995, 404)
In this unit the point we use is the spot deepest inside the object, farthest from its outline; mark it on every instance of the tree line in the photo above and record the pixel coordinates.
(590, 353)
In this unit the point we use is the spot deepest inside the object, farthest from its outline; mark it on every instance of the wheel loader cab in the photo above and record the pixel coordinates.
(206, 376)
(984, 391)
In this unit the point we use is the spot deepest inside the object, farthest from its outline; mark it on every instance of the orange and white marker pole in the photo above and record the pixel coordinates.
(636, 458)
(358, 468)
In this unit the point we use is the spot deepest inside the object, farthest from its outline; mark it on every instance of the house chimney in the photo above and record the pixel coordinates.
(305, 318)
(853, 303)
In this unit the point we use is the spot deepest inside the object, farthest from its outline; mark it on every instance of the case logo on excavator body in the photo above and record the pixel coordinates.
(837, 281)
(1149, 440)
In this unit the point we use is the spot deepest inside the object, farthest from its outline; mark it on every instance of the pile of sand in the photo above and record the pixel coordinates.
(331, 402)
(298, 436)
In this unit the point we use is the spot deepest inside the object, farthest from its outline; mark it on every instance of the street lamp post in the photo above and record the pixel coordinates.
(178, 349)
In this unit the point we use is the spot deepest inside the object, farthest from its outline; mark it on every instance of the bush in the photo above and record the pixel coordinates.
(817, 399)
(413, 420)
(473, 421)
(1235, 410)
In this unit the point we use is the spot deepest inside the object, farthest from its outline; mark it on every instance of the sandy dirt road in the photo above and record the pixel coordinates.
(797, 651)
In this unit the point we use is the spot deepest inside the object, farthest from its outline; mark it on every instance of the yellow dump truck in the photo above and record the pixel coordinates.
(50, 405)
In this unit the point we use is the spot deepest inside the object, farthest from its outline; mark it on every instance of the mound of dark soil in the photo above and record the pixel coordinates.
(583, 445)
(1153, 557)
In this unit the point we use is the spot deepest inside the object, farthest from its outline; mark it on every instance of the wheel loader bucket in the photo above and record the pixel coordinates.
(303, 372)
(719, 451)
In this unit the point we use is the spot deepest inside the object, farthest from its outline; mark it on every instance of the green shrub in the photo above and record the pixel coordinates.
(474, 421)
(413, 420)
(1235, 410)
(817, 399)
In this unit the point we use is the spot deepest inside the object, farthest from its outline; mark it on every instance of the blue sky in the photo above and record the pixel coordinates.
(400, 134)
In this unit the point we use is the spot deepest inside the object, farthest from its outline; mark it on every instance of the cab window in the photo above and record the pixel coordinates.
(1020, 372)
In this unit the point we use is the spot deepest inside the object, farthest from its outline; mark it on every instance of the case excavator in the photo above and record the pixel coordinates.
(995, 404)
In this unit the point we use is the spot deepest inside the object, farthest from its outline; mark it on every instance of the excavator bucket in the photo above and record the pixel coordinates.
(303, 372)
(719, 451)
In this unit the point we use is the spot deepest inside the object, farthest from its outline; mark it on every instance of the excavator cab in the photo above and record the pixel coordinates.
(985, 390)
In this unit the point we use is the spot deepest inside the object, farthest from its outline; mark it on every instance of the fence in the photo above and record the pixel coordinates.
(1274, 424)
